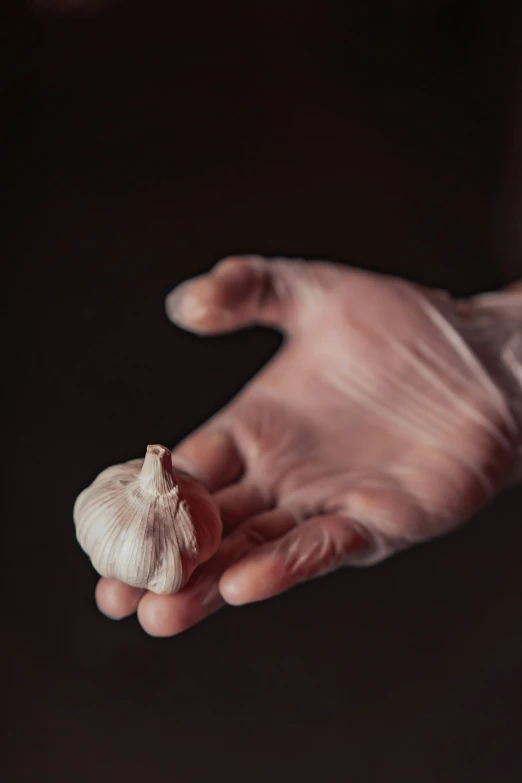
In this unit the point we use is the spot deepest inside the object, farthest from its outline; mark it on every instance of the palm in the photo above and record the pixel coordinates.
(373, 428)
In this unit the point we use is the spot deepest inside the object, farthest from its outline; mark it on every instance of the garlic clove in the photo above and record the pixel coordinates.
(146, 524)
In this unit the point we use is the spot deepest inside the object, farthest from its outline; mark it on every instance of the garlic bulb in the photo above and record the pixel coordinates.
(146, 524)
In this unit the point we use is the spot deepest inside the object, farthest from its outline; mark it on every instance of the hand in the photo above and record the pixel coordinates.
(382, 422)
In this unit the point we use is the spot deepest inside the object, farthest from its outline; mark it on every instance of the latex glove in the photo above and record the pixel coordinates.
(388, 417)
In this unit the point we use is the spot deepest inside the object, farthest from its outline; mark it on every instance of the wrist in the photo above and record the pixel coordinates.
(492, 325)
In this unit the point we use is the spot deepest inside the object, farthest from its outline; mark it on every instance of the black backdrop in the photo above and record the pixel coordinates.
(143, 142)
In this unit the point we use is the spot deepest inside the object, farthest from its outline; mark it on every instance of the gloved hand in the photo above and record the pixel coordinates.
(388, 417)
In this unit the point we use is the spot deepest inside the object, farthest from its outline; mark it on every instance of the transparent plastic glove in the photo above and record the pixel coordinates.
(388, 417)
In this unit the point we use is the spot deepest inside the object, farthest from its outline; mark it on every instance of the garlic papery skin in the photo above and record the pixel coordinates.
(146, 524)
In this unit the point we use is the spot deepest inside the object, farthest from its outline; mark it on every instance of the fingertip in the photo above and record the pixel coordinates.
(196, 306)
(186, 306)
(211, 456)
(255, 578)
(232, 590)
(182, 304)
(156, 617)
(117, 600)
(172, 304)
(169, 615)
(220, 301)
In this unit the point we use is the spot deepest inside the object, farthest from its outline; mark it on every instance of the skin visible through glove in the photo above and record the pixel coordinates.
(388, 417)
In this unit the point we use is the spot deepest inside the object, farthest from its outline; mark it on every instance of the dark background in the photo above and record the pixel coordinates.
(143, 142)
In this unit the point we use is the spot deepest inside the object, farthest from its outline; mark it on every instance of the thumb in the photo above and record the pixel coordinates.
(242, 291)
